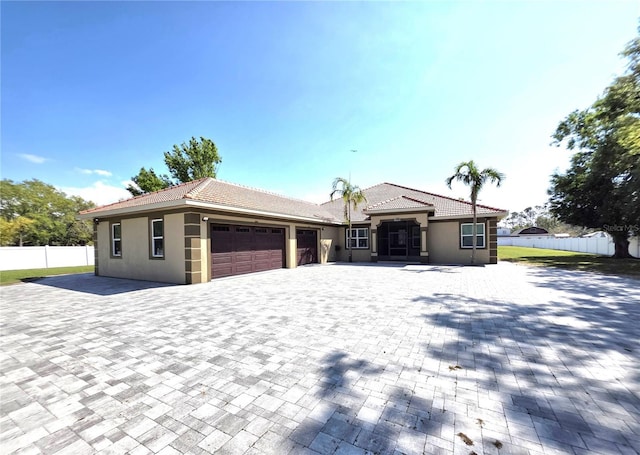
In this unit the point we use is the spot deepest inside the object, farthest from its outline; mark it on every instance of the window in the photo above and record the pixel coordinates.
(116, 239)
(157, 238)
(358, 238)
(466, 235)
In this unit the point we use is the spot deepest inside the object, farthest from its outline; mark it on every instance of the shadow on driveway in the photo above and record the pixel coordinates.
(89, 283)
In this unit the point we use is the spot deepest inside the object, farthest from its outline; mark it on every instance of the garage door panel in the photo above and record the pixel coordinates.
(307, 249)
(244, 249)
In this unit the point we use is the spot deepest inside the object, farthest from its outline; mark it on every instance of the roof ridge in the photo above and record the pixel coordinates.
(141, 196)
(383, 202)
(402, 196)
(440, 195)
(204, 182)
(416, 200)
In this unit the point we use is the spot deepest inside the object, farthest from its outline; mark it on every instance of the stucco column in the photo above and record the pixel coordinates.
(192, 249)
(291, 247)
(423, 219)
(424, 249)
(374, 245)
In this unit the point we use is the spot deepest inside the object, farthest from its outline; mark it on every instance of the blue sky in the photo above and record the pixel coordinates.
(92, 91)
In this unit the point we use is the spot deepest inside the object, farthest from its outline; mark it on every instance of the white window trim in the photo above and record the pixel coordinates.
(484, 236)
(357, 238)
(154, 238)
(114, 239)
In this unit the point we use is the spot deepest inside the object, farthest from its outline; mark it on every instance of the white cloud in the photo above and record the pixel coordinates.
(95, 171)
(100, 193)
(33, 158)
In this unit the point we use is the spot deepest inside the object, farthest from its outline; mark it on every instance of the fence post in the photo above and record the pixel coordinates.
(46, 256)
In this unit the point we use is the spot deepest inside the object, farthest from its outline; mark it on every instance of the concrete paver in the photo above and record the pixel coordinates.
(336, 359)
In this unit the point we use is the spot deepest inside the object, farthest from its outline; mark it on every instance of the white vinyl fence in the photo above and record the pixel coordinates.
(44, 257)
(600, 245)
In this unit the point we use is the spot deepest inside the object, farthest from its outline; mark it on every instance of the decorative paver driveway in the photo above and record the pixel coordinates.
(345, 359)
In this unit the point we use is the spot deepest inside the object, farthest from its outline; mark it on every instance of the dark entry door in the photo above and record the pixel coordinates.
(399, 241)
(307, 250)
(244, 249)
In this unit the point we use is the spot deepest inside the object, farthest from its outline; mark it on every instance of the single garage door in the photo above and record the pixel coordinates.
(307, 250)
(244, 249)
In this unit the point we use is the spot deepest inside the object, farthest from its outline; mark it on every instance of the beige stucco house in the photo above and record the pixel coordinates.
(205, 229)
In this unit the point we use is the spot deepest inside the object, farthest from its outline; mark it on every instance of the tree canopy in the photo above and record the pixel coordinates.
(601, 188)
(540, 216)
(36, 213)
(186, 162)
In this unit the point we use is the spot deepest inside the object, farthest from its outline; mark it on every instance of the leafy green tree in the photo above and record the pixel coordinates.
(352, 195)
(148, 182)
(186, 162)
(36, 213)
(468, 173)
(193, 161)
(601, 188)
(540, 216)
(14, 231)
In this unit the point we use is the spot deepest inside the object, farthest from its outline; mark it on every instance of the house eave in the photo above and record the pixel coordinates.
(398, 211)
(498, 215)
(187, 203)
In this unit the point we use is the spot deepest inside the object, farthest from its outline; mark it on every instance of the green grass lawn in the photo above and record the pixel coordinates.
(570, 260)
(16, 276)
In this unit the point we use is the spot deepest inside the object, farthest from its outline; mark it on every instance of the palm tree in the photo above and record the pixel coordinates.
(351, 195)
(469, 174)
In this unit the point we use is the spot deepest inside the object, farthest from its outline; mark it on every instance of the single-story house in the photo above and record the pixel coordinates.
(208, 228)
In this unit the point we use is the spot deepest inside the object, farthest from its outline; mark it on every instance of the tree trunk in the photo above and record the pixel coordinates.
(621, 243)
(474, 231)
(349, 235)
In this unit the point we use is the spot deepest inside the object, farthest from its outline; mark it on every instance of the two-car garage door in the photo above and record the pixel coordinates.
(244, 249)
(237, 249)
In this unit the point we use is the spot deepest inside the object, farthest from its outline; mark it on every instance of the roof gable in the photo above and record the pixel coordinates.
(390, 193)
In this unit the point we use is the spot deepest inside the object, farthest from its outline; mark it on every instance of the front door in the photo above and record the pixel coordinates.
(399, 241)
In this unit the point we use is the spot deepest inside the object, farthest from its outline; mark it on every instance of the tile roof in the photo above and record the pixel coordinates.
(398, 202)
(220, 193)
(382, 193)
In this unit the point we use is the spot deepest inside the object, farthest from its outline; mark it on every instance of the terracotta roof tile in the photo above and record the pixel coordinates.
(220, 193)
(385, 196)
(398, 202)
(384, 192)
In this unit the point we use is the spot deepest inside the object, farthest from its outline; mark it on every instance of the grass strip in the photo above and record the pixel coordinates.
(570, 260)
(17, 276)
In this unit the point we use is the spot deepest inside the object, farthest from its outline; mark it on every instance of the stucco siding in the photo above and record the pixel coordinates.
(328, 241)
(443, 243)
(135, 262)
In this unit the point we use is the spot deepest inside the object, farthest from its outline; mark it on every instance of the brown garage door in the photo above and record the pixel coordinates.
(245, 249)
(307, 250)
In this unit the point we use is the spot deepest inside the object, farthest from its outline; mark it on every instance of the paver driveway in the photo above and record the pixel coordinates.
(341, 359)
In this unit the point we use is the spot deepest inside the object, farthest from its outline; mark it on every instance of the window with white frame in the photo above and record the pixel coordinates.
(358, 238)
(116, 239)
(157, 238)
(466, 235)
